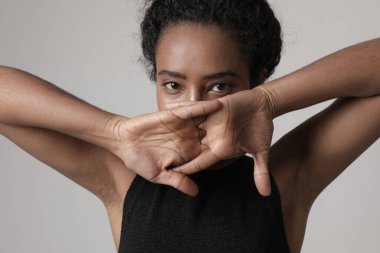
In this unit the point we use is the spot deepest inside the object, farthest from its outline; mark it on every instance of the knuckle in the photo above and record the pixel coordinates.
(177, 181)
(197, 166)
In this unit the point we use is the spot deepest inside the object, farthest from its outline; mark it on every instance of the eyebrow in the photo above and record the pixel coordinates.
(220, 75)
(172, 74)
(206, 77)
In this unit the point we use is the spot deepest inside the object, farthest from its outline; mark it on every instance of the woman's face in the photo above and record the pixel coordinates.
(198, 62)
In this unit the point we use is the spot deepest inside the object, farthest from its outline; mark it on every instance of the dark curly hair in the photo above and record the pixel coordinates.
(252, 22)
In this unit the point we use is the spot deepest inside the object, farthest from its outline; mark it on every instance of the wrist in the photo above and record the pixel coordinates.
(288, 93)
(270, 94)
(104, 132)
(110, 133)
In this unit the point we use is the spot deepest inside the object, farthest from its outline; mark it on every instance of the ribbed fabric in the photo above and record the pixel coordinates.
(228, 215)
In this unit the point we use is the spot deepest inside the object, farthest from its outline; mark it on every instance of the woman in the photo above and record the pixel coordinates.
(184, 51)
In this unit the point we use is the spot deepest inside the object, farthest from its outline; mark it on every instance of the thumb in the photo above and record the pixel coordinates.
(261, 173)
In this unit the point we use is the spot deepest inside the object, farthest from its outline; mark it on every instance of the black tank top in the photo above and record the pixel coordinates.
(228, 215)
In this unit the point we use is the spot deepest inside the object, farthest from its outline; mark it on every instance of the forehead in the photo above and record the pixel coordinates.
(209, 48)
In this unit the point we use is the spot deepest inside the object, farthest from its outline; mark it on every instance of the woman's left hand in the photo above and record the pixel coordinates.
(244, 124)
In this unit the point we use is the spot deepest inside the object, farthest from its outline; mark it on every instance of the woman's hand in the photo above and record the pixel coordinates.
(152, 144)
(242, 125)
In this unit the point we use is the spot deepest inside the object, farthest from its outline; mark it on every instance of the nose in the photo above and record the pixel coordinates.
(195, 94)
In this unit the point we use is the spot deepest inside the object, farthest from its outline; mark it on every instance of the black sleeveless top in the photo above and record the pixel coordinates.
(228, 215)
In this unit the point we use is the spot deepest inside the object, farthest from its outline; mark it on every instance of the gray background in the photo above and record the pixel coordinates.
(90, 48)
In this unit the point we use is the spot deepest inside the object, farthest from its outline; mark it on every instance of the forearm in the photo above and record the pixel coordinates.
(27, 100)
(351, 72)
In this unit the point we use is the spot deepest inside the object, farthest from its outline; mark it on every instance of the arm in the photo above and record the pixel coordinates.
(92, 167)
(352, 72)
(323, 146)
(33, 111)
(307, 159)
(27, 100)
(93, 147)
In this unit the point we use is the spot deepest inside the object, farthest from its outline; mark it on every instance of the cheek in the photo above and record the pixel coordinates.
(163, 98)
(160, 99)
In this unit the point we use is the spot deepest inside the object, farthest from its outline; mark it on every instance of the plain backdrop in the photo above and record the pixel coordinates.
(91, 49)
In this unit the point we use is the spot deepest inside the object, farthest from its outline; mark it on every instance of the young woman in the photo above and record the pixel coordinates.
(209, 60)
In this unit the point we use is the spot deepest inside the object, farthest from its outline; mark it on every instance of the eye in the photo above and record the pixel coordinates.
(221, 87)
(172, 85)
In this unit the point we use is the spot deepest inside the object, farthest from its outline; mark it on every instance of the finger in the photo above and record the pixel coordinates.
(202, 134)
(178, 181)
(204, 147)
(172, 105)
(261, 173)
(201, 162)
(197, 109)
(199, 120)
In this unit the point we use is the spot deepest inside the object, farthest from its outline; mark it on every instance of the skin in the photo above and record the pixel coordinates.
(182, 77)
(101, 153)
(99, 150)
(298, 161)
(312, 155)
(202, 75)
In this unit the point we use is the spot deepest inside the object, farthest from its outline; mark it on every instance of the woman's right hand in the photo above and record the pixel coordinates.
(148, 144)
(151, 144)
